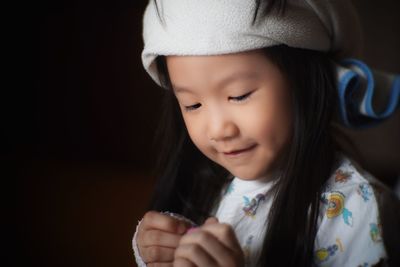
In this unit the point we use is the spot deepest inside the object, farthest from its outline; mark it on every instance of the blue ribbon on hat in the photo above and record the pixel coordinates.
(360, 88)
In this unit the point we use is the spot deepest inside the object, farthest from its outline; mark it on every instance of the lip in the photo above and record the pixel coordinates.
(238, 152)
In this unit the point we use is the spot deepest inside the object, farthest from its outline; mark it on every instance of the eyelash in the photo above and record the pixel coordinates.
(235, 98)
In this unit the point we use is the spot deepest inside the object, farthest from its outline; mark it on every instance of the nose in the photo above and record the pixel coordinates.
(221, 127)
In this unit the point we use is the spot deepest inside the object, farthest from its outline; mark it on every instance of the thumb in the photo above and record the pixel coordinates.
(211, 220)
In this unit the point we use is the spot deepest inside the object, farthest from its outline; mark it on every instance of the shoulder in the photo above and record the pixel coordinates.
(349, 222)
(351, 194)
(350, 177)
(352, 186)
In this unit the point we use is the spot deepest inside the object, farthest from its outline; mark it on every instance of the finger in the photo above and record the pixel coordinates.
(181, 262)
(196, 254)
(211, 220)
(157, 220)
(159, 264)
(225, 234)
(223, 255)
(192, 229)
(160, 238)
(157, 254)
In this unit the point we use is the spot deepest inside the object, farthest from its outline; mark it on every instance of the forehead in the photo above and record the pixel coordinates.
(190, 71)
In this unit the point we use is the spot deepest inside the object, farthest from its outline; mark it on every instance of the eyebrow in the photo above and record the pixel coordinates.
(224, 82)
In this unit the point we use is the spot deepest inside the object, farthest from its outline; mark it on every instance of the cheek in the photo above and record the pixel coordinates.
(190, 127)
(196, 132)
(272, 128)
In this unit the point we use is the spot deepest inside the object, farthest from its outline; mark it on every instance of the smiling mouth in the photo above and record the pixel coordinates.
(240, 151)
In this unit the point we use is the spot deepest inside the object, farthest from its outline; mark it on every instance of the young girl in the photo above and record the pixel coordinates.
(250, 172)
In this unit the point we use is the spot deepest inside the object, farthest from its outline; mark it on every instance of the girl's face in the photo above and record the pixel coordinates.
(236, 108)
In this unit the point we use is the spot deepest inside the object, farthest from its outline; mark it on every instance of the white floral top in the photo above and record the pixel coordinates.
(349, 230)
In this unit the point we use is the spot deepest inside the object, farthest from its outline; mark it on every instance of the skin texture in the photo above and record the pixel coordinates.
(213, 244)
(231, 102)
(225, 115)
(165, 241)
(158, 237)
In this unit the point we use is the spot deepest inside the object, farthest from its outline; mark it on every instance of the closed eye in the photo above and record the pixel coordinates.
(192, 107)
(240, 98)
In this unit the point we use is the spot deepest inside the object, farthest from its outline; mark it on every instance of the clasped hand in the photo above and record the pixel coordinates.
(164, 241)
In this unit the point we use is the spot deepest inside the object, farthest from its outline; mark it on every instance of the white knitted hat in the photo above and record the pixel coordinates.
(212, 27)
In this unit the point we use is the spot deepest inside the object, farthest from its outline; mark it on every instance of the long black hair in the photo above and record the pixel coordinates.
(189, 183)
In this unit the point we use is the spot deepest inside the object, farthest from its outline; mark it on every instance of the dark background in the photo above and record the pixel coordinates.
(78, 135)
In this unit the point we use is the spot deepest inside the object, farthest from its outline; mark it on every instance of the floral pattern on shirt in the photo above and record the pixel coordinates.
(250, 206)
(349, 197)
(342, 176)
(335, 202)
(323, 254)
(247, 250)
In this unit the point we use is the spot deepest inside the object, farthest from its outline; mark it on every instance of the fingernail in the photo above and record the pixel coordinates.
(211, 220)
(191, 230)
(182, 228)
